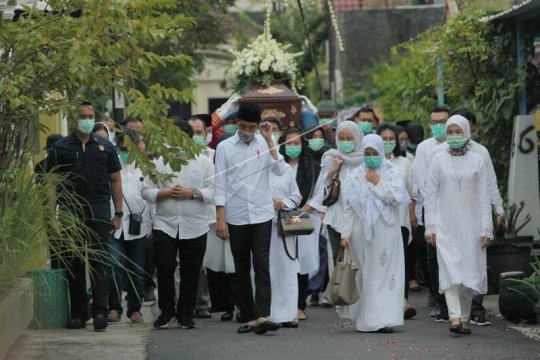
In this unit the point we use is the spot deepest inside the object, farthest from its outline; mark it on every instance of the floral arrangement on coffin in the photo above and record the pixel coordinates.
(261, 62)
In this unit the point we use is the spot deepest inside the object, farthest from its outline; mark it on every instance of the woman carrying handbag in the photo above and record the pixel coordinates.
(307, 170)
(336, 166)
(372, 231)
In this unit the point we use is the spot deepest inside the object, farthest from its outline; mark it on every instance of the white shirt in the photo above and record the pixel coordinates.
(185, 219)
(420, 171)
(493, 189)
(242, 180)
(132, 185)
(317, 195)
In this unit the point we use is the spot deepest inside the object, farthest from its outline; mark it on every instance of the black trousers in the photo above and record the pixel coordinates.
(433, 269)
(303, 290)
(149, 266)
(418, 249)
(251, 243)
(95, 242)
(405, 236)
(222, 289)
(335, 242)
(191, 254)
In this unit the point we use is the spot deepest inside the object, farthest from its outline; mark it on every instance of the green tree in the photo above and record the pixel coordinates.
(479, 73)
(50, 61)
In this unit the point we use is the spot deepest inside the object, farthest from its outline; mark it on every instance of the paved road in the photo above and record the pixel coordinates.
(324, 336)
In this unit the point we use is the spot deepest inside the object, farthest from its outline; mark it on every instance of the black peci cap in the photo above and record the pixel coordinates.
(249, 113)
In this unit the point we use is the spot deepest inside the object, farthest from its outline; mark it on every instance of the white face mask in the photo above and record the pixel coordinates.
(208, 138)
(112, 136)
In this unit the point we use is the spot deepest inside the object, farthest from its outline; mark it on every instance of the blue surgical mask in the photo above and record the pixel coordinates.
(373, 162)
(245, 136)
(326, 121)
(275, 137)
(112, 136)
(293, 151)
(85, 126)
(124, 155)
(200, 140)
(389, 146)
(315, 144)
(438, 131)
(366, 127)
(456, 141)
(230, 128)
(346, 146)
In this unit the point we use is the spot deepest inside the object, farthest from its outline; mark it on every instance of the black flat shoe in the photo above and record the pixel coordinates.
(76, 323)
(100, 322)
(464, 331)
(386, 330)
(246, 329)
(289, 324)
(265, 327)
(456, 329)
(228, 316)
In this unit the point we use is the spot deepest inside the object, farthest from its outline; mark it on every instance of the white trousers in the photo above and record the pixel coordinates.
(459, 300)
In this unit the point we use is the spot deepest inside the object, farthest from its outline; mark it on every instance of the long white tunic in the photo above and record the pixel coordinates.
(491, 177)
(381, 274)
(457, 211)
(283, 270)
(308, 245)
(420, 171)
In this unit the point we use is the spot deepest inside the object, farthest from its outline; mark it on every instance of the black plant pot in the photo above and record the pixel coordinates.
(512, 304)
(505, 255)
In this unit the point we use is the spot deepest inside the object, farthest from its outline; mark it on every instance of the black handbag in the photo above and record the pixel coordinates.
(135, 220)
(332, 192)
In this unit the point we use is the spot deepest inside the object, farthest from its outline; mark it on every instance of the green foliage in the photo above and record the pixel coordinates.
(52, 60)
(287, 28)
(479, 73)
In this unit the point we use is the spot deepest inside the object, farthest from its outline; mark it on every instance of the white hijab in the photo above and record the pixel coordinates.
(352, 159)
(359, 192)
(462, 123)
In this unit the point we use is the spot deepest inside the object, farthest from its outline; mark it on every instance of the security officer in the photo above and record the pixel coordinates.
(91, 169)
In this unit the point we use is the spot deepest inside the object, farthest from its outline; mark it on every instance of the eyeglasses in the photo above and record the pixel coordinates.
(438, 122)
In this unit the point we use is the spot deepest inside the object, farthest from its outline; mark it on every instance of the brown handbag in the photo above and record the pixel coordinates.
(342, 288)
(332, 192)
(293, 223)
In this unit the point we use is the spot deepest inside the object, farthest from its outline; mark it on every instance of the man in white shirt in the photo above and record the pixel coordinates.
(180, 227)
(245, 211)
(438, 118)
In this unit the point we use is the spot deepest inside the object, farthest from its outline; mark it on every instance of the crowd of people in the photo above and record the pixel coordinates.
(409, 212)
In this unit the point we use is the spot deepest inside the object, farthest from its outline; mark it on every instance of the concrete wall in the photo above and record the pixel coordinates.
(368, 35)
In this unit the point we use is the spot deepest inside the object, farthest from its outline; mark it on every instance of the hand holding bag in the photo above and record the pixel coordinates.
(332, 192)
(342, 288)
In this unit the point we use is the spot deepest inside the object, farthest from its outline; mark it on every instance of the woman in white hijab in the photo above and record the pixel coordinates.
(371, 231)
(345, 158)
(458, 222)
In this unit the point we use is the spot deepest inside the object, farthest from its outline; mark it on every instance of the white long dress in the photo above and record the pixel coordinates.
(457, 210)
(308, 245)
(283, 270)
(378, 251)
(405, 167)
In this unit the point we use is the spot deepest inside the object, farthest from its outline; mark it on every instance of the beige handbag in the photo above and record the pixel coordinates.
(342, 288)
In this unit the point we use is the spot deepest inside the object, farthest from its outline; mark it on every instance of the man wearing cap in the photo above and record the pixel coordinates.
(245, 211)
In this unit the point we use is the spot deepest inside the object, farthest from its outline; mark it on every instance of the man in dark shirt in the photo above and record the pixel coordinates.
(90, 171)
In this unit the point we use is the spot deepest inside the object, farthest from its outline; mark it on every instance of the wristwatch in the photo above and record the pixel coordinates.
(120, 214)
(194, 195)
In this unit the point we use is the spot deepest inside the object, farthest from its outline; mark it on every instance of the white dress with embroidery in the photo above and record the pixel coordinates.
(377, 247)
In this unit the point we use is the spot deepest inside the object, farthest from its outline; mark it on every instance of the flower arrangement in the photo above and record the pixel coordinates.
(261, 62)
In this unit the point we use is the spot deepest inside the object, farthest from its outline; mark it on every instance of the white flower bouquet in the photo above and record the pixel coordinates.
(261, 62)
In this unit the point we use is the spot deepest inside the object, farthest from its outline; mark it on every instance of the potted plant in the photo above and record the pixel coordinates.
(526, 296)
(509, 251)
